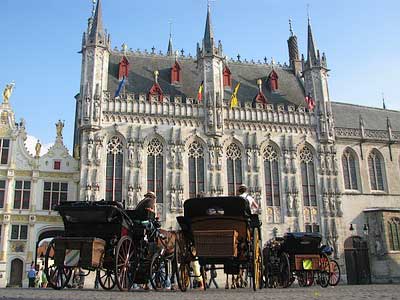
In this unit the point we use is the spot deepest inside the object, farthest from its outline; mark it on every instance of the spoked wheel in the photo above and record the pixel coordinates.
(182, 270)
(158, 272)
(324, 270)
(334, 276)
(106, 279)
(204, 276)
(284, 270)
(305, 278)
(57, 276)
(257, 264)
(123, 259)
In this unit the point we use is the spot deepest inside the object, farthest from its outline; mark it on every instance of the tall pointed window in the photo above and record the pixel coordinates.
(349, 170)
(234, 168)
(176, 73)
(227, 77)
(308, 177)
(394, 234)
(375, 166)
(4, 149)
(114, 169)
(271, 171)
(196, 169)
(155, 168)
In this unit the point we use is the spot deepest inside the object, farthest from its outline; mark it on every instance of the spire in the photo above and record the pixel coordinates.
(208, 41)
(311, 49)
(97, 27)
(293, 47)
(170, 51)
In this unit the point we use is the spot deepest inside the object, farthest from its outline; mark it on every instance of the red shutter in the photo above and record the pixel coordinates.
(227, 77)
(176, 73)
(123, 68)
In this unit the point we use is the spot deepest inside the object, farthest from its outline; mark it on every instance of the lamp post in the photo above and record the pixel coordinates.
(365, 230)
(351, 229)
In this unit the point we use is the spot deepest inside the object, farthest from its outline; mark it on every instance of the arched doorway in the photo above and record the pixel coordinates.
(17, 269)
(357, 260)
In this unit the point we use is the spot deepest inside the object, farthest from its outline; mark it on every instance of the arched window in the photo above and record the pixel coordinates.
(196, 169)
(271, 171)
(114, 169)
(394, 234)
(375, 166)
(227, 77)
(349, 170)
(155, 169)
(234, 167)
(308, 177)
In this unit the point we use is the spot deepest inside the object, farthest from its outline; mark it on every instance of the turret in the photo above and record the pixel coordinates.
(294, 60)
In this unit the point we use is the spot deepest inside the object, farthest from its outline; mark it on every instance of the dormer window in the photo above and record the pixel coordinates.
(227, 77)
(123, 68)
(273, 81)
(176, 73)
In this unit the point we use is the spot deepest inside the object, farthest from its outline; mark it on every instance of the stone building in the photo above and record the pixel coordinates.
(30, 186)
(164, 122)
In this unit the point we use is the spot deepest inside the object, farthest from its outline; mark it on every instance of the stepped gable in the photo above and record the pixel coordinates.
(141, 78)
(348, 116)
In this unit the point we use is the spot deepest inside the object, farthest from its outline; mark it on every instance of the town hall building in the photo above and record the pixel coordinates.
(148, 121)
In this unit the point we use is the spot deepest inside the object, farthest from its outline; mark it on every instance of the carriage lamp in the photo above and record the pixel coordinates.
(365, 229)
(351, 227)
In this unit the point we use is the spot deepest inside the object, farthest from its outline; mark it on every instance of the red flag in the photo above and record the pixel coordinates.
(310, 102)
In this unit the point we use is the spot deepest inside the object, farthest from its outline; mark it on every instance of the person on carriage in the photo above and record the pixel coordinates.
(148, 204)
(242, 191)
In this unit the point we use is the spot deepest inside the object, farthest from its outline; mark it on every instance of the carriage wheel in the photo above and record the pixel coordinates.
(305, 278)
(57, 276)
(106, 279)
(181, 269)
(257, 261)
(123, 260)
(158, 272)
(284, 270)
(334, 276)
(204, 276)
(324, 270)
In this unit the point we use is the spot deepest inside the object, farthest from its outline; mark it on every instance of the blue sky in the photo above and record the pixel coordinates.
(40, 41)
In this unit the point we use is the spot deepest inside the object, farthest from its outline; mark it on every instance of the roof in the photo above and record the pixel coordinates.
(141, 78)
(348, 116)
(372, 209)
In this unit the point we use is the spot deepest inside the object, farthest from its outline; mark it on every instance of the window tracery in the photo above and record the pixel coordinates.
(234, 168)
(196, 168)
(114, 169)
(155, 168)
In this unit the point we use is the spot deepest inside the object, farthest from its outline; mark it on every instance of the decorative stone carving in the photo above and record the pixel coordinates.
(290, 204)
(249, 154)
(131, 202)
(97, 151)
(325, 204)
(131, 154)
(332, 205)
(90, 147)
(286, 161)
(96, 111)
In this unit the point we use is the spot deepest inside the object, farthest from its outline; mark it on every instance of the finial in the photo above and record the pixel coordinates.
(238, 57)
(308, 13)
(153, 50)
(94, 7)
(156, 73)
(290, 27)
(383, 101)
(170, 27)
(124, 48)
(259, 83)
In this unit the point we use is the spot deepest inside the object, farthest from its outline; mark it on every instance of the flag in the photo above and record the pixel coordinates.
(121, 84)
(200, 92)
(234, 99)
(310, 102)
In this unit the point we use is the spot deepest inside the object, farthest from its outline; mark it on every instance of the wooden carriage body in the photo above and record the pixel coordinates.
(220, 230)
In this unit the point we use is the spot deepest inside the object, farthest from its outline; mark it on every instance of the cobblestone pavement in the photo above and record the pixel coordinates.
(341, 292)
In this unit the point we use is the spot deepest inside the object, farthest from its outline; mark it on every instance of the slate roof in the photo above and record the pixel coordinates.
(141, 78)
(348, 116)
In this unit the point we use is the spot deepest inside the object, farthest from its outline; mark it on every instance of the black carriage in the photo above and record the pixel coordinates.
(219, 231)
(299, 255)
(103, 237)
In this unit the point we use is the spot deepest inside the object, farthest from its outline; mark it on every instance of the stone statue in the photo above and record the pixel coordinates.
(325, 203)
(90, 149)
(210, 116)
(77, 154)
(87, 107)
(173, 200)
(130, 203)
(139, 155)
(212, 157)
(130, 152)
(38, 147)
(96, 111)
(333, 206)
(219, 156)
(339, 206)
(98, 151)
(286, 158)
(290, 203)
(7, 92)
(248, 156)
(59, 128)
(219, 119)
(172, 156)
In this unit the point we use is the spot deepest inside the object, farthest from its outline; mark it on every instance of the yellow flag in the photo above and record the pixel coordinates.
(234, 99)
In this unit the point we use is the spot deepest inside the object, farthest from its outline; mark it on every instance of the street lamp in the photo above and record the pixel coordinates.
(365, 229)
(351, 228)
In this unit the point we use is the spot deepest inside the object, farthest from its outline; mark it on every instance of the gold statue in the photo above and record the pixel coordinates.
(38, 147)
(7, 92)
(59, 128)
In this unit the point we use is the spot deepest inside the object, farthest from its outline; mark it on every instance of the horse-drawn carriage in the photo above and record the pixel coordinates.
(299, 255)
(219, 231)
(120, 245)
